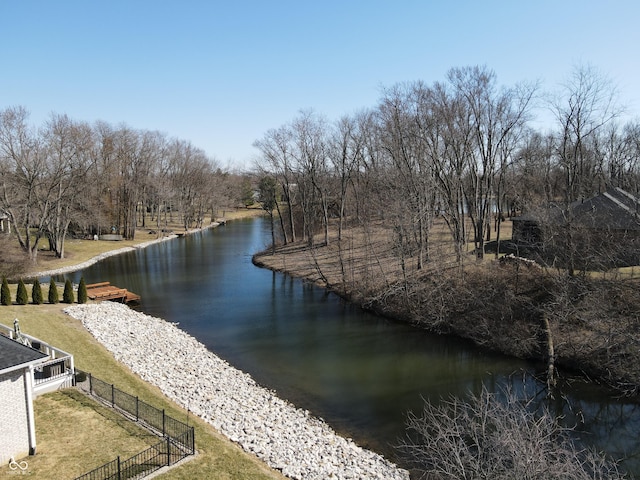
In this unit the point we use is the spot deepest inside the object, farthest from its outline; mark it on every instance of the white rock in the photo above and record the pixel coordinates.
(286, 438)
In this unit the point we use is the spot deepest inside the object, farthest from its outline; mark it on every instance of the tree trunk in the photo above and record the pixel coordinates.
(551, 357)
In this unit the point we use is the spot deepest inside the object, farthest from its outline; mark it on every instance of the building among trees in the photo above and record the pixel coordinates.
(604, 230)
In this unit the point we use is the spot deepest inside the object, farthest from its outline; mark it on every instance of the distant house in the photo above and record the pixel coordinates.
(526, 231)
(607, 224)
(26, 372)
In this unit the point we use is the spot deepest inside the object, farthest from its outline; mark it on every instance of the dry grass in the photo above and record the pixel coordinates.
(75, 434)
(218, 457)
(68, 424)
(366, 258)
(78, 250)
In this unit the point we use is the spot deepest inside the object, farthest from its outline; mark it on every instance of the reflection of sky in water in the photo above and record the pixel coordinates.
(359, 372)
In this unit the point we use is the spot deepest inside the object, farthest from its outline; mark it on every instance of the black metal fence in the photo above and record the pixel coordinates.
(178, 437)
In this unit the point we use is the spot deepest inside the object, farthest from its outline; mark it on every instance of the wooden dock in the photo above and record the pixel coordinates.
(106, 291)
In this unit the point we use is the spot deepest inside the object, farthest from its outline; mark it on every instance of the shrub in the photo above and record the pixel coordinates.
(36, 292)
(22, 297)
(496, 435)
(5, 295)
(67, 295)
(82, 291)
(53, 292)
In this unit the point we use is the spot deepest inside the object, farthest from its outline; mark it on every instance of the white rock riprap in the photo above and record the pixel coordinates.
(285, 437)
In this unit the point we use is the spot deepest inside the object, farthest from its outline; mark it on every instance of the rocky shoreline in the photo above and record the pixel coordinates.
(287, 438)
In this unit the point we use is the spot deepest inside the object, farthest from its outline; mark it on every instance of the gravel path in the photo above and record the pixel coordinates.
(285, 437)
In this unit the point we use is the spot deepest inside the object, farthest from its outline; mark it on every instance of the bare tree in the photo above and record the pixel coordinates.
(314, 181)
(345, 151)
(268, 199)
(586, 104)
(23, 179)
(489, 437)
(276, 148)
(191, 174)
(618, 152)
(412, 170)
(535, 176)
(69, 148)
(451, 144)
(496, 117)
(104, 192)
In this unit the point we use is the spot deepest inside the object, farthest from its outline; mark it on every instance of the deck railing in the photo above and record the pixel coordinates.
(51, 370)
(58, 370)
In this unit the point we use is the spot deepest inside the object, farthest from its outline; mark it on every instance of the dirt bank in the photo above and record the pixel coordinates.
(510, 306)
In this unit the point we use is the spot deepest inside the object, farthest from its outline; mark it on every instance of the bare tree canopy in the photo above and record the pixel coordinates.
(69, 177)
(497, 436)
(399, 204)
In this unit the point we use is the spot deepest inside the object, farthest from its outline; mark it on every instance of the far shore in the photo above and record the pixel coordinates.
(109, 252)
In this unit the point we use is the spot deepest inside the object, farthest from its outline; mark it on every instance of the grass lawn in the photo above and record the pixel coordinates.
(78, 251)
(75, 434)
(68, 425)
(69, 429)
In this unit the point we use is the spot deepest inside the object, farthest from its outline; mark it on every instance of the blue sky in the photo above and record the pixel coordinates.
(220, 74)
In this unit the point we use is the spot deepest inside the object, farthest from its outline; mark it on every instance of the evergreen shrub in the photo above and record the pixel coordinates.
(53, 292)
(67, 295)
(5, 293)
(22, 297)
(36, 292)
(82, 291)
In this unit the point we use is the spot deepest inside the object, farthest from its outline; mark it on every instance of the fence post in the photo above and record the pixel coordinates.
(119, 473)
(113, 396)
(90, 383)
(168, 452)
(163, 422)
(137, 409)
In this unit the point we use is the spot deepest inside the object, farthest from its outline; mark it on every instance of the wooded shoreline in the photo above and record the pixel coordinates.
(498, 307)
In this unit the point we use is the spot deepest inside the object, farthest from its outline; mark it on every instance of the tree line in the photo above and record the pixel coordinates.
(464, 150)
(71, 177)
(395, 199)
(398, 202)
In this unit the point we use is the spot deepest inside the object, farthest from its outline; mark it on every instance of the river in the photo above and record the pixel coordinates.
(360, 372)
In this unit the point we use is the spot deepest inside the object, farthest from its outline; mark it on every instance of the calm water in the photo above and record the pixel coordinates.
(359, 372)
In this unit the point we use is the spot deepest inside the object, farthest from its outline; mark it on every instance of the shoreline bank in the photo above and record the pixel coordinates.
(285, 437)
(595, 340)
(111, 253)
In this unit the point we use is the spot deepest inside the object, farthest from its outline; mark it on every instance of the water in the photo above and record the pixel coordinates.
(359, 372)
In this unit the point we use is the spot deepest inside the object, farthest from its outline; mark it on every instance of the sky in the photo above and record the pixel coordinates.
(220, 74)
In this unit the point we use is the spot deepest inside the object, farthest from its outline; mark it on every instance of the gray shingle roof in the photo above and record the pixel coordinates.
(13, 353)
(614, 209)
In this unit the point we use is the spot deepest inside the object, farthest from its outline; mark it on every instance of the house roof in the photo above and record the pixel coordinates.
(14, 355)
(614, 209)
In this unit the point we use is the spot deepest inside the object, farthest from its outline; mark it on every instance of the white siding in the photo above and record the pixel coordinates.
(14, 421)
